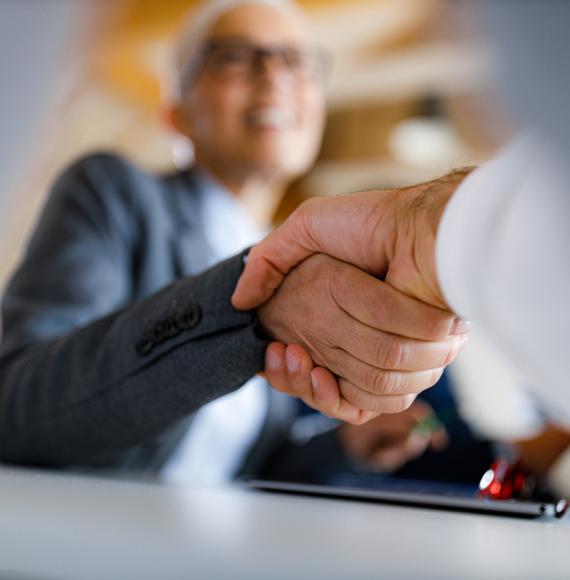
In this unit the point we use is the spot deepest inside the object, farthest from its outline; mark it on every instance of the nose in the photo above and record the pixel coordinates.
(272, 69)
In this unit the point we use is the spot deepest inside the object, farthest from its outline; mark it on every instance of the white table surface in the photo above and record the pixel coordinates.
(66, 527)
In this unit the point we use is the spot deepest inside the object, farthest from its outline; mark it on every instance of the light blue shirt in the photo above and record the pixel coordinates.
(222, 432)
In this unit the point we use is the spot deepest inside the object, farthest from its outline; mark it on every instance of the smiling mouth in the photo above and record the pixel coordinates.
(271, 119)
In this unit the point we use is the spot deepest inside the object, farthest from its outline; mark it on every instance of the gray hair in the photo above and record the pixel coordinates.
(197, 27)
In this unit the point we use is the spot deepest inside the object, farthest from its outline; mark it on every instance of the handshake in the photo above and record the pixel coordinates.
(347, 290)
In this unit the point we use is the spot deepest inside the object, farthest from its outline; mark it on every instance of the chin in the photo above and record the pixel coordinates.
(282, 167)
(287, 160)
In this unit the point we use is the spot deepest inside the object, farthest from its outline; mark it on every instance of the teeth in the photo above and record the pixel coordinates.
(274, 118)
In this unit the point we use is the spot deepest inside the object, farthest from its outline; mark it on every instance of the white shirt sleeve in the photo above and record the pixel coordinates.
(503, 261)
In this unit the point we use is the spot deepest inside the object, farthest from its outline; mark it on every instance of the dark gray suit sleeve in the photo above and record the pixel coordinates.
(85, 372)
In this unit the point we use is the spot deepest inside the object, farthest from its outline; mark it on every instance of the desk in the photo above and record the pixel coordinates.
(67, 527)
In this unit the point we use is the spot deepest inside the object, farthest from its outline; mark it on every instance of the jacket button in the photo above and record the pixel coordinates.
(167, 329)
(189, 318)
(144, 346)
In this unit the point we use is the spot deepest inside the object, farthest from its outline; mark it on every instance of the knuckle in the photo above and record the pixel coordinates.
(306, 212)
(391, 354)
(320, 277)
(438, 328)
(301, 212)
(384, 383)
(308, 206)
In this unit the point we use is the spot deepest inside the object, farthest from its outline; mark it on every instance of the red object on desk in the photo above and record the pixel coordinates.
(506, 480)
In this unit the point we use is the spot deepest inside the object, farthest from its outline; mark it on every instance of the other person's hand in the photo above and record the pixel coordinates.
(383, 347)
(388, 442)
(390, 234)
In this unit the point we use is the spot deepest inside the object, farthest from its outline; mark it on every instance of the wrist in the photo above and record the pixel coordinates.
(434, 195)
(422, 211)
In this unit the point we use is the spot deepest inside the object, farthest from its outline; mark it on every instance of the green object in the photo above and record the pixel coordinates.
(431, 424)
(427, 426)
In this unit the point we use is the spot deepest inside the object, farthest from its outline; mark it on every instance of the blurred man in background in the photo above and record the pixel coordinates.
(115, 335)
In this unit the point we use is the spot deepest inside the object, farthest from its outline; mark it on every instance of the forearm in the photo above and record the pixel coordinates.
(99, 388)
(418, 211)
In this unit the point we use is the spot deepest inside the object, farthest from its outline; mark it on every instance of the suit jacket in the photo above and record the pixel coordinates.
(113, 335)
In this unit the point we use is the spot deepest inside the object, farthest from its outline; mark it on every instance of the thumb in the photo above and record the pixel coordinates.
(352, 228)
(270, 261)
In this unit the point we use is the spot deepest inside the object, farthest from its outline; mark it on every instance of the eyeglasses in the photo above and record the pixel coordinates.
(227, 60)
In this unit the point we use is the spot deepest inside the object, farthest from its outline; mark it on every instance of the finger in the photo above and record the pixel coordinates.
(379, 381)
(393, 457)
(298, 370)
(380, 306)
(298, 367)
(387, 461)
(259, 280)
(390, 352)
(420, 412)
(366, 416)
(415, 445)
(295, 379)
(375, 403)
(275, 371)
(328, 400)
(326, 225)
(270, 261)
(439, 439)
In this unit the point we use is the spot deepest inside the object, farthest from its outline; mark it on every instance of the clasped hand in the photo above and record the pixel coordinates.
(347, 291)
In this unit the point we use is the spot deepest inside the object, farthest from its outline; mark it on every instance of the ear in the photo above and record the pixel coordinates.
(174, 119)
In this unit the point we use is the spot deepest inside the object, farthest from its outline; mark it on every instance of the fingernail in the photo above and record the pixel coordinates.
(460, 326)
(273, 360)
(293, 363)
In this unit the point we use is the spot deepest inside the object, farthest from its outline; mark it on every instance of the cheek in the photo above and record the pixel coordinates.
(217, 112)
(314, 114)
(226, 110)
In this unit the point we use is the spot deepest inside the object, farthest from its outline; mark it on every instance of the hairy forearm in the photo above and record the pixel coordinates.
(418, 211)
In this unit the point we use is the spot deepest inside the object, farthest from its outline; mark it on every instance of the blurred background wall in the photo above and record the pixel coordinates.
(408, 99)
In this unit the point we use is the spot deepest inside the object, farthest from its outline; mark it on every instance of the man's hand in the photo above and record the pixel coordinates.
(390, 234)
(383, 346)
(388, 442)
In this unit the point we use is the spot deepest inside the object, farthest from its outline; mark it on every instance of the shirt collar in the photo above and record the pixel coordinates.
(227, 225)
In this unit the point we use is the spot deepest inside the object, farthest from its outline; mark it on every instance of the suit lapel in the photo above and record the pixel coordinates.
(190, 249)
